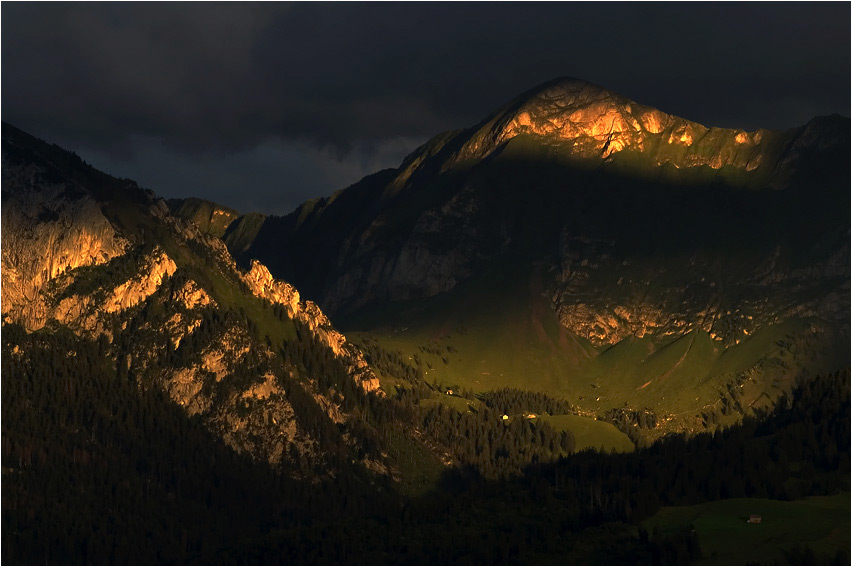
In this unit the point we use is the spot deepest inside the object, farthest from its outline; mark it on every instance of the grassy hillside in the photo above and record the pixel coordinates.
(242, 232)
(591, 433)
(821, 523)
(498, 330)
(211, 218)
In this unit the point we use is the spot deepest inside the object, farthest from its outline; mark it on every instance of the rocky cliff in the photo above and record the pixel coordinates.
(49, 227)
(262, 284)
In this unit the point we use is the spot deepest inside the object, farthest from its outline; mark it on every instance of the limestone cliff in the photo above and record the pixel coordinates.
(580, 121)
(48, 228)
(89, 313)
(603, 298)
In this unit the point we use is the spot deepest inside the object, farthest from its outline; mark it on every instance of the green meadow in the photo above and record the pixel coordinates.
(499, 331)
(590, 433)
(820, 523)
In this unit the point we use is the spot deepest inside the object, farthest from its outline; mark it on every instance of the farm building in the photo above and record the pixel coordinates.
(754, 519)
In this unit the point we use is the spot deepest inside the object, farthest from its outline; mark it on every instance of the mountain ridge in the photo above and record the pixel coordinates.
(449, 151)
(605, 124)
(168, 306)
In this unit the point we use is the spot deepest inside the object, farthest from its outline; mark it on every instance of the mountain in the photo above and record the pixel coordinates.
(209, 218)
(579, 243)
(105, 259)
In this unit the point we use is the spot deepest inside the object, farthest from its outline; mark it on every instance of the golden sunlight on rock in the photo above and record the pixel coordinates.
(582, 120)
(192, 296)
(33, 255)
(262, 284)
(681, 135)
(157, 267)
(653, 121)
(614, 145)
(264, 389)
(523, 119)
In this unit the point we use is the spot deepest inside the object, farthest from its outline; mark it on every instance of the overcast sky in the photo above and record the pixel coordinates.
(261, 106)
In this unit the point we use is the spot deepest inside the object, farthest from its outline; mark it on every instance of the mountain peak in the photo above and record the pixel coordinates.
(570, 109)
(567, 91)
(577, 119)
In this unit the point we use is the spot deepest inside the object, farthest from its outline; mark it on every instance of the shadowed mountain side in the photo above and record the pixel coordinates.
(211, 218)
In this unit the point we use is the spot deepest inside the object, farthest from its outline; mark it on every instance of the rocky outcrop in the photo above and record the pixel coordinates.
(153, 270)
(588, 121)
(48, 228)
(256, 418)
(727, 299)
(90, 312)
(468, 196)
(579, 120)
(191, 296)
(263, 285)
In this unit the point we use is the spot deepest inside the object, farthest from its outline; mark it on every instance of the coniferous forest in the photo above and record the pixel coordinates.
(99, 470)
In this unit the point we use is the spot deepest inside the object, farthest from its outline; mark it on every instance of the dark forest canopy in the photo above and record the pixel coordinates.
(96, 470)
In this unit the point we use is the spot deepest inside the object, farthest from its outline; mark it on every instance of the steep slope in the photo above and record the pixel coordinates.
(210, 218)
(632, 224)
(170, 310)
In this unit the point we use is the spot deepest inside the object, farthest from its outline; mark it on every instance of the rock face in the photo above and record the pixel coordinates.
(48, 228)
(589, 121)
(255, 417)
(661, 302)
(210, 218)
(88, 313)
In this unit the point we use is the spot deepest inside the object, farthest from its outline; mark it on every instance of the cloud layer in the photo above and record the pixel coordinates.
(311, 93)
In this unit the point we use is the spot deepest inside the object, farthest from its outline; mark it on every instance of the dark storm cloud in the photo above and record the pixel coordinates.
(272, 177)
(211, 81)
